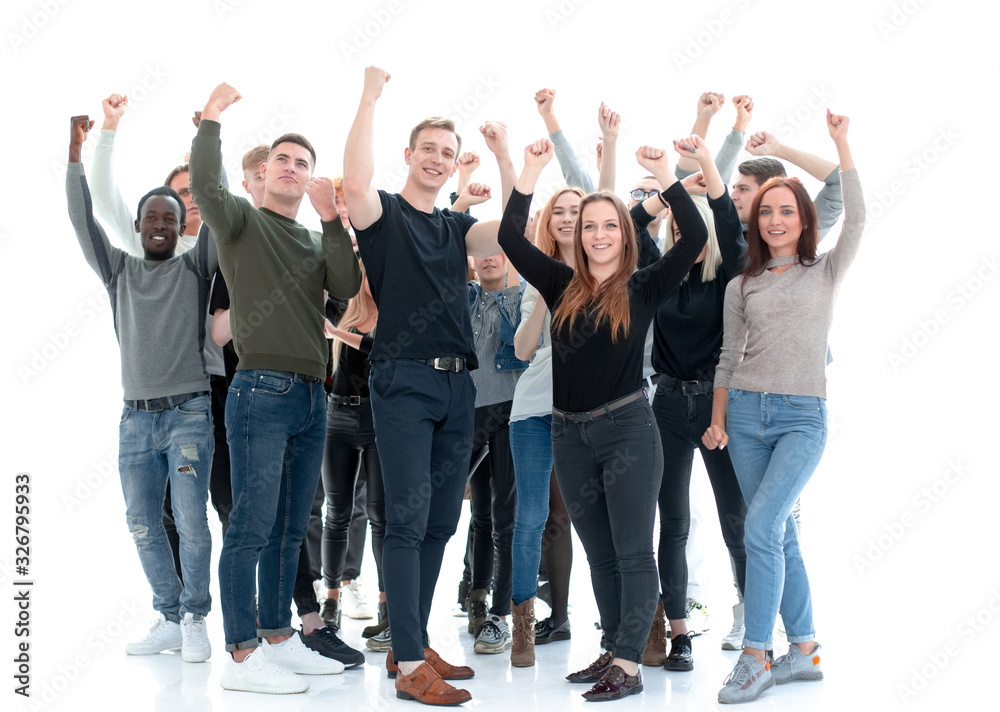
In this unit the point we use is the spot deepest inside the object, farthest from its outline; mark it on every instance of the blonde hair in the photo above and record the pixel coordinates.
(359, 310)
(713, 255)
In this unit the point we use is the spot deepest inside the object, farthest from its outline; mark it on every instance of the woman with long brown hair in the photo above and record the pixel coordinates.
(604, 441)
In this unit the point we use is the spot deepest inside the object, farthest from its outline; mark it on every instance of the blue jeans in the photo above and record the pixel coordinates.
(775, 442)
(276, 424)
(531, 447)
(173, 445)
(609, 471)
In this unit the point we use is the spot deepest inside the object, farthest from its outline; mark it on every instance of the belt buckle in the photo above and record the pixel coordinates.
(445, 363)
(153, 405)
(686, 384)
(354, 400)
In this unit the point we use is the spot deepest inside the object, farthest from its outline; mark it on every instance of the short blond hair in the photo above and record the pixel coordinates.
(255, 156)
(435, 122)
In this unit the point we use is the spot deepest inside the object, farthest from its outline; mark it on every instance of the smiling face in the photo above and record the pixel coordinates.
(287, 172)
(181, 184)
(780, 221)
(562, 222)
(492, 271)
(159, 225)
(744, 191)
(601, 237)
(433, 159)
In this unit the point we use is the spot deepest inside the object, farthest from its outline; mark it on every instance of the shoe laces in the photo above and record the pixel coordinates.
(740, 674)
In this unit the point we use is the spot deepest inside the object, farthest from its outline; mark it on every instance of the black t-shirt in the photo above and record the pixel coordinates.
(351, 376)
(418, 272)
(588, 368)
(220, 300)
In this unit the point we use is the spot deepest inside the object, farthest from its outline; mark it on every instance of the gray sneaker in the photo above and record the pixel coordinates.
(494, 636)
(747, 682)
(381, 642)
(796, 667)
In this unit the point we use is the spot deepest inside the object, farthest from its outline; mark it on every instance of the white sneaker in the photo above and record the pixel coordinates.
(734, 641)
(195, 647)
(258, 674)
(697, 617)
(294, 656)
(164, 635)
(353, 601)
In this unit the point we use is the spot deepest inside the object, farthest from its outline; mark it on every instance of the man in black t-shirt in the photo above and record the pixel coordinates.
(422, 394)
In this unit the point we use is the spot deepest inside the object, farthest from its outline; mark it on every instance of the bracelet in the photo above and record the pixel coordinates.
(662, 200)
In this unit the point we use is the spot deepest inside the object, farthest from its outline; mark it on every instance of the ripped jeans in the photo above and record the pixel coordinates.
(175, 444)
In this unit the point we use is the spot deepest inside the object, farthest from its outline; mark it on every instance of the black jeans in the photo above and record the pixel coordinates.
(682, 420)
(494, 504)
(423, 426)
(350, 451)
(609, 471)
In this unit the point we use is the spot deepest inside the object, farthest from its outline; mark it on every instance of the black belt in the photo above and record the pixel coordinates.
(603, 410)
(154, 405)
(447, 363)
(688, 388)
(349, 400)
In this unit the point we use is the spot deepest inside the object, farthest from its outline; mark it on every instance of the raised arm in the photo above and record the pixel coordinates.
(708, 106)
(472, 194)
(764, 144)
(495, 133)
(843, 253)
(362, 199)
(608, 120)
(695, 147)
(569, 162)
(468, 162)
(109, 205)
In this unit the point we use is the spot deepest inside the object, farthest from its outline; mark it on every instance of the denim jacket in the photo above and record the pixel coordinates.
(505, 359)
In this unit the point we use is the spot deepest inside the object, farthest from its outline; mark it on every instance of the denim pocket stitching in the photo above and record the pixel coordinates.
(810, 408)
(270, 384)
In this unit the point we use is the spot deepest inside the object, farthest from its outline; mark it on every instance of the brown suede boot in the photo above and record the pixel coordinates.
(522, 653)
(656, 645)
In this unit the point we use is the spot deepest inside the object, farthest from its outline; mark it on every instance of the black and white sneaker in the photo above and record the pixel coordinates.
(325, 642)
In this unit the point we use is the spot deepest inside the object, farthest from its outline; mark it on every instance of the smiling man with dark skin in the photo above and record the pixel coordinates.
(158, 302)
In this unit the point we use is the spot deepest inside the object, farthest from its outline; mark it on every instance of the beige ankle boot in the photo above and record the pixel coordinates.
(656, 645)
(522, 652)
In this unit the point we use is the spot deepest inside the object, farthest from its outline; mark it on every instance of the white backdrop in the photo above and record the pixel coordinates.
(900, 511)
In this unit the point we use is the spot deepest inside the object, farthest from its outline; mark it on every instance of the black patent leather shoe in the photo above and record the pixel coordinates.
(614, 685)
(679, 659)
(545, 632)
(593, 672)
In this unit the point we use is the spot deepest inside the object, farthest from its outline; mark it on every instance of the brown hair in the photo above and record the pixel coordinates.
(296, 139)
(609, 300)
(435, 122)
(762, 169)
(176, 172)
(359, 309)
(255, 156)
(758, 253)
(544, 240)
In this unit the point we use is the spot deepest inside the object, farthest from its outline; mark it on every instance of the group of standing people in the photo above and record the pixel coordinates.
(738, 308)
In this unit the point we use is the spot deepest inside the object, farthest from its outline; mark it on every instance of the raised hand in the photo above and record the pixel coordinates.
(837, 124)
(653, 159)
(196, 119)
(608, 120)
(539, 153)
(495, 133)
(709, 104)
(762, 144)
(322, 196)
(695, 184)
(545, 98)
(693, 147)
(79, 127)
(744, 110)
(114, 108)
(475, 193)
(222, 97)
(375, 80)
(468, 162)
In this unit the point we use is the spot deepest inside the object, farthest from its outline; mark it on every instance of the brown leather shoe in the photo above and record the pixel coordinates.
(593, 672)
(522, 652)
(426, 686)
(614, 685)
(656, 645)
(442, 668)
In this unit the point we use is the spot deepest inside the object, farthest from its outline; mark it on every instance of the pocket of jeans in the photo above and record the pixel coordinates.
(802, 402)
(195, 406)
(558, 428)
(126, 414)
(380, 379)
(734, 393)
(631, 417)
(273, 385)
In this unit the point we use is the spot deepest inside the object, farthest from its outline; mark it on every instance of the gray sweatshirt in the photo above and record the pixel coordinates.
(158, 306)
(776, 325)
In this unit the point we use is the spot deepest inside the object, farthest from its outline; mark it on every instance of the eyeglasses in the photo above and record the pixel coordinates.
(640, 194)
